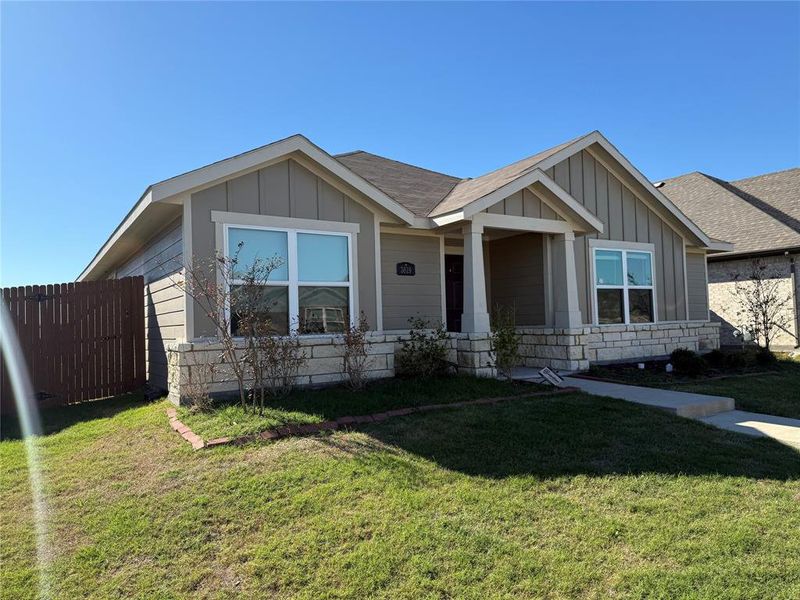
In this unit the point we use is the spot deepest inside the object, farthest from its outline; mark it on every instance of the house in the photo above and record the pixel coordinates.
(761, 216)
(597, 263)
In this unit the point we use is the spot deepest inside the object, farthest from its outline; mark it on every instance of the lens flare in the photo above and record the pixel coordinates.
(28, 414)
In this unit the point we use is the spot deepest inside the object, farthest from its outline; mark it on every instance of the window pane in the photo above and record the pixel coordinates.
(322, 257)
(639, 269)
(266, 302)
(261, 245)
(609, 306)
(640, 303)
(323, 309)
(608, 267)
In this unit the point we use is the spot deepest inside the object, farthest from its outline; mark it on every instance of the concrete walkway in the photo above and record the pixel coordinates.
(683, 404)
(786, 431)
(718, 411)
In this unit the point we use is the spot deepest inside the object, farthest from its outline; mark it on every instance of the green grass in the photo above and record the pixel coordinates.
(559, 497)
(318, 405)
(773, 393)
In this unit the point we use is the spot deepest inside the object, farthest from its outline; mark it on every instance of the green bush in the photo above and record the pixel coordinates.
(687, 362)
(765, 358)
(715, 358)
(505, 341)
(424, 353)
(735, 360)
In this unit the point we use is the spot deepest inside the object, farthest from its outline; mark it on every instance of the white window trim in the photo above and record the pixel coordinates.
(293, 283)
(624, 248)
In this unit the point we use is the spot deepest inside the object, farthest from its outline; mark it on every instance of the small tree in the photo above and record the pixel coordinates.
(355, 353)
(225, 292)
(505, 340)
(761, 302)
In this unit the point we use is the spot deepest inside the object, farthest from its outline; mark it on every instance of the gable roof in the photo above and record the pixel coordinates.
(757, 214)
(469, 190)
(418, 189)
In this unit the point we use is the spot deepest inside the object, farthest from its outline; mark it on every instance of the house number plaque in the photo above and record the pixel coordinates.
(406, 268)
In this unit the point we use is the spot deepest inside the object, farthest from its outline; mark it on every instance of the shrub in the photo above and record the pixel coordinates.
(196, 390)
(424, 353)
(765, 358)
(505, 340)
(355, 354)
(715, 358)
(735, 360)
(687, 362)
(281, 360)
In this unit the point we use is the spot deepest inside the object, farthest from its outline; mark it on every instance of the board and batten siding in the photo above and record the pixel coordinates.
(696, 285)
(285, 189)
(160, 262)
(516, 273)
(524, 203)
(420, 295)
(626, 218)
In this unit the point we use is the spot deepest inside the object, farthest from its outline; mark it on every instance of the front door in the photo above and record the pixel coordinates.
(454, 290)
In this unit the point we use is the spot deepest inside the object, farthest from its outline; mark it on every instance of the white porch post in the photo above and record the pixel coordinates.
(475, 318)
(567, 312)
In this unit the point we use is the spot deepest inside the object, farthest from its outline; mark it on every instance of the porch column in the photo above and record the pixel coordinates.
(567, 312)
(475, 318)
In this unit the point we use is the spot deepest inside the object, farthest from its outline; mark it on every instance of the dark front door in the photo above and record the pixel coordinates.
(454, 290)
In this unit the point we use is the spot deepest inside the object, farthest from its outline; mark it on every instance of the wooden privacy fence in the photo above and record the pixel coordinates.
(80, 341)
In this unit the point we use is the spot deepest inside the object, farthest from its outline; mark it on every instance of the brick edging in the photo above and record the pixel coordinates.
(338, 423)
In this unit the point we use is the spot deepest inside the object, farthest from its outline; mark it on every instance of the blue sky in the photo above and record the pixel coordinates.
(99, 100)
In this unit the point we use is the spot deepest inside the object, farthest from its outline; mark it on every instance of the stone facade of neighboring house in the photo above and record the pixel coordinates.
(761, 217)
(725, 302)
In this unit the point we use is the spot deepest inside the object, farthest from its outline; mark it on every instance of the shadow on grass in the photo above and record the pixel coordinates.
(58, 418)
(582, 434)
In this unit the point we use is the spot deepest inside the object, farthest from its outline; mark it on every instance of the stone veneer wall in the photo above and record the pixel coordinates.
(469, 352)
(725, 305)
(574, 349)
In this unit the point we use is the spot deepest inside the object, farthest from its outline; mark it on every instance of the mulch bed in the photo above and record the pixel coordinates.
(347, 422)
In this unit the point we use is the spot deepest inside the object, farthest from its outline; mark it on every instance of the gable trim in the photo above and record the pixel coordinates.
(236, 165)
(597, 138)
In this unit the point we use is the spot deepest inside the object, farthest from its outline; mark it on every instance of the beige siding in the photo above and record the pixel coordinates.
(516, 276)
(524, 204)
(626, 218)
(697, 286)
(160, 262)
(418, 296)
(286, 189)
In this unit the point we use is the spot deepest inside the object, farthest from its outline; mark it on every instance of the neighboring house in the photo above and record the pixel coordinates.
(597, 263)
(761, 217)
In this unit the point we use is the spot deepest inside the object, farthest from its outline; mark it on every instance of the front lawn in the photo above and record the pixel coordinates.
(560, 497)
(776, 392)
(324, 404)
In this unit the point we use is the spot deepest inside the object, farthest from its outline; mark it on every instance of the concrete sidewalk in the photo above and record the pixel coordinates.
(718, 411)
(683, 404)
(786, 431)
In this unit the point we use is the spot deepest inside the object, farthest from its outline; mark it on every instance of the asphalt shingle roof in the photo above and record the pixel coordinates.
(428, 193)
(418, 189)
(756, 214)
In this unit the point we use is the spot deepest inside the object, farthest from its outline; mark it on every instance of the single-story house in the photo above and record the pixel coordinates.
(761, 216)
(597, 263)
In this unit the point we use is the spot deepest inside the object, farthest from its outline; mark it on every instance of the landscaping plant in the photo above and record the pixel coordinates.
(764, 303)
(687, 362)
(229, 297)
(355, 353)
(505, 340)
(424, 353)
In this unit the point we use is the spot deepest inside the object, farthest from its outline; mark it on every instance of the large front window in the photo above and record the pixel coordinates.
(310, 292)
(623, 286)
